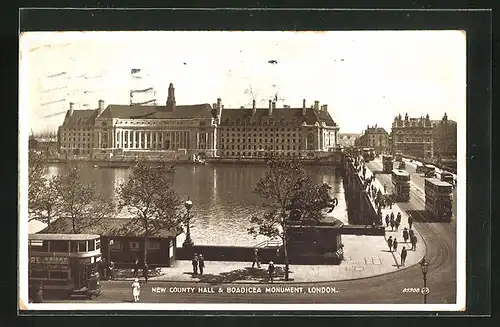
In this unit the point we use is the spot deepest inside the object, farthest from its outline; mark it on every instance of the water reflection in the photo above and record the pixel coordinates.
(222, 195)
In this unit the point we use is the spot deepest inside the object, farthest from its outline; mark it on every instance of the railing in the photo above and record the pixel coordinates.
(270, 243)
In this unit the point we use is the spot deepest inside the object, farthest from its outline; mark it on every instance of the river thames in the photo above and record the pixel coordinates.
(222, 195)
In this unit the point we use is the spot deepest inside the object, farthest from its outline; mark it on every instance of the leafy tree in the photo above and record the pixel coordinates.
(80, 202)
(289, 197)
(150, 199)
(45, 204)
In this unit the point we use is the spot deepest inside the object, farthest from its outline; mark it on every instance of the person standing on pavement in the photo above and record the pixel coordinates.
(389, 243)
(256, 259)
(136, 268)
(410, 234)
(145, 272)
(410, 221)
(414, 242)
(136, 290)
(403, 256)
(399, 217)
(405, 235)
(111, 270)
(395, 245)
(397, 223)
(393, 223)
(201, 263)
(387, 220)
(194, 262)
(270, 271)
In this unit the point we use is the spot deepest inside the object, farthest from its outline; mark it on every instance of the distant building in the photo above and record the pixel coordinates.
(418, 137)
(287, 132)
(75, 135)
(376, 138)
(43, 144)
(348, 139)
(140, 130)
(445, 138)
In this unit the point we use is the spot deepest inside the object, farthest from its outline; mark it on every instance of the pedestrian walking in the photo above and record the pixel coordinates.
(136, 268)
(397, 223)
(385, 188)
(201, 263)
(405, 235)
(256, 259)
(389, 243)
(403, 256)
(393, 223)
(387, 220)
(395, 245)
(390, 200)
(136, 290)
(145, 272)
(410, 221)
(399, 217)
(414, 243)
(194, 262)
(270, 270)
(392, 215)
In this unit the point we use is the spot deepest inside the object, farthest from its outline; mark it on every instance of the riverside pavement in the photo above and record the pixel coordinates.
(365, 256)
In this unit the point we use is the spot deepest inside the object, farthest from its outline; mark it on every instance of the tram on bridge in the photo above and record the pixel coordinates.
(438, 198)
(368, 154)
(65, 264)
(387, 164)
(401, 185)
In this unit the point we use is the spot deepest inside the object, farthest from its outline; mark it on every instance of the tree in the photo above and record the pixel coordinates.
(289, 196)
(150, 199)
(45, 204)
(80, 202)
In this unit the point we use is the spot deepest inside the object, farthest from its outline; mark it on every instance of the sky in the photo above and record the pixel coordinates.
(365, 77)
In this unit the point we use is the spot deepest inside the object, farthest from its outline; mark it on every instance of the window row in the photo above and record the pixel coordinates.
(260, 140)
(133, 245)
(66, 246)
(259, 147)
(237, 129)
(49, 274)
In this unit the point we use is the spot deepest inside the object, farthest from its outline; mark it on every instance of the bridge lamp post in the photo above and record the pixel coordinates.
(188, 242)
(424, 265)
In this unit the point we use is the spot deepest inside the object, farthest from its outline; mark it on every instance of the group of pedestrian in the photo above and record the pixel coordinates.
(271, 268)
(392, 221)
(408, 235)
(198, 263)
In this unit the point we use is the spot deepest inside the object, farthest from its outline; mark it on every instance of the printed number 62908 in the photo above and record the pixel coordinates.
(411, 290)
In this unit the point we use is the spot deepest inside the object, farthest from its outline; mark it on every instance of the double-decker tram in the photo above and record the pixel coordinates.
(401, 184)
(65, 264)
(387, 164)
(368, 154)
(438, 198)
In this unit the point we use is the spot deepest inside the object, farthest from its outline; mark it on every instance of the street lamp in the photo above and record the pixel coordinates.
(424, 265)
(188, 242)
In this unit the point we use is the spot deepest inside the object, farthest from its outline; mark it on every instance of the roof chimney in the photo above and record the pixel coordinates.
(270, 110)
(71, 104)
(100, 107)
(325, 107)
(316, 105)
(254, 109)
(219, 107)
(304, 107)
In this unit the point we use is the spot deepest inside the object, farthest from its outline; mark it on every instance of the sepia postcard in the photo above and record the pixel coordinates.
(219, 170)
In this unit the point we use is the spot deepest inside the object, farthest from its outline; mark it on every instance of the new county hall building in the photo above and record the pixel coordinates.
(202, 129)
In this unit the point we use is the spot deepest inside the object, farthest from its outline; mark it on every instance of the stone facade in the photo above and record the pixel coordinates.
(288, 132)
(445, 138)
(376, 138)
(413, 136)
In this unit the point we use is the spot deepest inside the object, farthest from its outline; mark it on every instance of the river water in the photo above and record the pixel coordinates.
(222, 196)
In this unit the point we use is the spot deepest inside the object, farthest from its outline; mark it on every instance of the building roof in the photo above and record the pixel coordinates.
(44, 139)
(279, 114)
(376, 130)
(157, 112)
(105, 227)
(80, 117)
